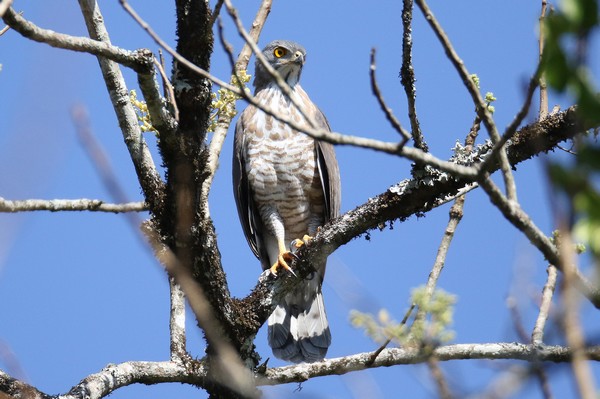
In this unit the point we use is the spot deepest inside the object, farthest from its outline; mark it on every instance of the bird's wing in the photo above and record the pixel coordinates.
(328, 170)
(247, 210)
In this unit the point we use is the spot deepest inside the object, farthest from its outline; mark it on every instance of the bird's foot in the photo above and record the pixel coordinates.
(282, 261)
(298, 243)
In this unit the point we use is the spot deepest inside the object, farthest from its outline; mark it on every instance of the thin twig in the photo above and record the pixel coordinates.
(439, 378)
(407, 75)
(216, 12)
(512, 304)
(480, 104)
(386, 110)
(96, 153)
(66, 205)
(257, 25)
(455, 215)
(4, 30)
(167, 86)
(543, 88)
(511, 129)
(140, 61)
(387, 342)
(537, 336)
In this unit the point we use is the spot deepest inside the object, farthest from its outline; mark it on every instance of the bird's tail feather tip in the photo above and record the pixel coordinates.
(300, 333)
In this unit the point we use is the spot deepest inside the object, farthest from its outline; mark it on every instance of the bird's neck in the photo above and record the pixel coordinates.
(274, 87)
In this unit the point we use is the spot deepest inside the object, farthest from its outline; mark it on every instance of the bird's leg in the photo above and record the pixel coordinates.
(284, 257)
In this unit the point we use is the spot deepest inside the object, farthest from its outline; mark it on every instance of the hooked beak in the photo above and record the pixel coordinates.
(298, 58)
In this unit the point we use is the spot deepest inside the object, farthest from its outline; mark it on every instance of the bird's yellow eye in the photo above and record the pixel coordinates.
(279, 52)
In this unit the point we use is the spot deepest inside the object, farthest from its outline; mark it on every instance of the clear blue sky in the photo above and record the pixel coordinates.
(79, 291)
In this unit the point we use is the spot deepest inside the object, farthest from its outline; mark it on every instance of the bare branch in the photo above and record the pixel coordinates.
(257, 25)
(148, 176)
(4, 30)
(177, 322)
(386, 110)
(407, 75)
(537, 336)
(140, 60)
(543, 112)
(182, 60)
(195, 373)
(170, 94)
(216, 12)
(456, 214)
(438, 376)
(58, 205)
(395, 356)
(113, 377)
(161, 118)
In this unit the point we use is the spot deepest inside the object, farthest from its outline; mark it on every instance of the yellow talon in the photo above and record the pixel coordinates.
(282, 261)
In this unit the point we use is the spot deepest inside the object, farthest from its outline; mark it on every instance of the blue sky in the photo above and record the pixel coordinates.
(80, 291)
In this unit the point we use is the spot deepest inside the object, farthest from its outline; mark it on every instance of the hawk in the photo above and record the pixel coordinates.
(286, 184)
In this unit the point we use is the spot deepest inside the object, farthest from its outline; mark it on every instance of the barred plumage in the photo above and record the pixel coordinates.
(286, 185)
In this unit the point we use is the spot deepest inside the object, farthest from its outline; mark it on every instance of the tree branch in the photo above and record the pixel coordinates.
(386, 110)
(407, 75)
(148, 176)
(139, 60)
(537, 336)
(396, 356)
(113, 377)
(57, 205)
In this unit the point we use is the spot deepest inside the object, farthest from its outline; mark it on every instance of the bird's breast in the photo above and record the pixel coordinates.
(281, 162)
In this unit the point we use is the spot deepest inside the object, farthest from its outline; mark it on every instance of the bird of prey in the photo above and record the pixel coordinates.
(286, 184)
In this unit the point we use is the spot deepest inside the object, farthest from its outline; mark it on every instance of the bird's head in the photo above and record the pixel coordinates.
(286, 57)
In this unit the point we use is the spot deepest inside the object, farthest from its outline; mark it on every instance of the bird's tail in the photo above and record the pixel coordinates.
(298, 327)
